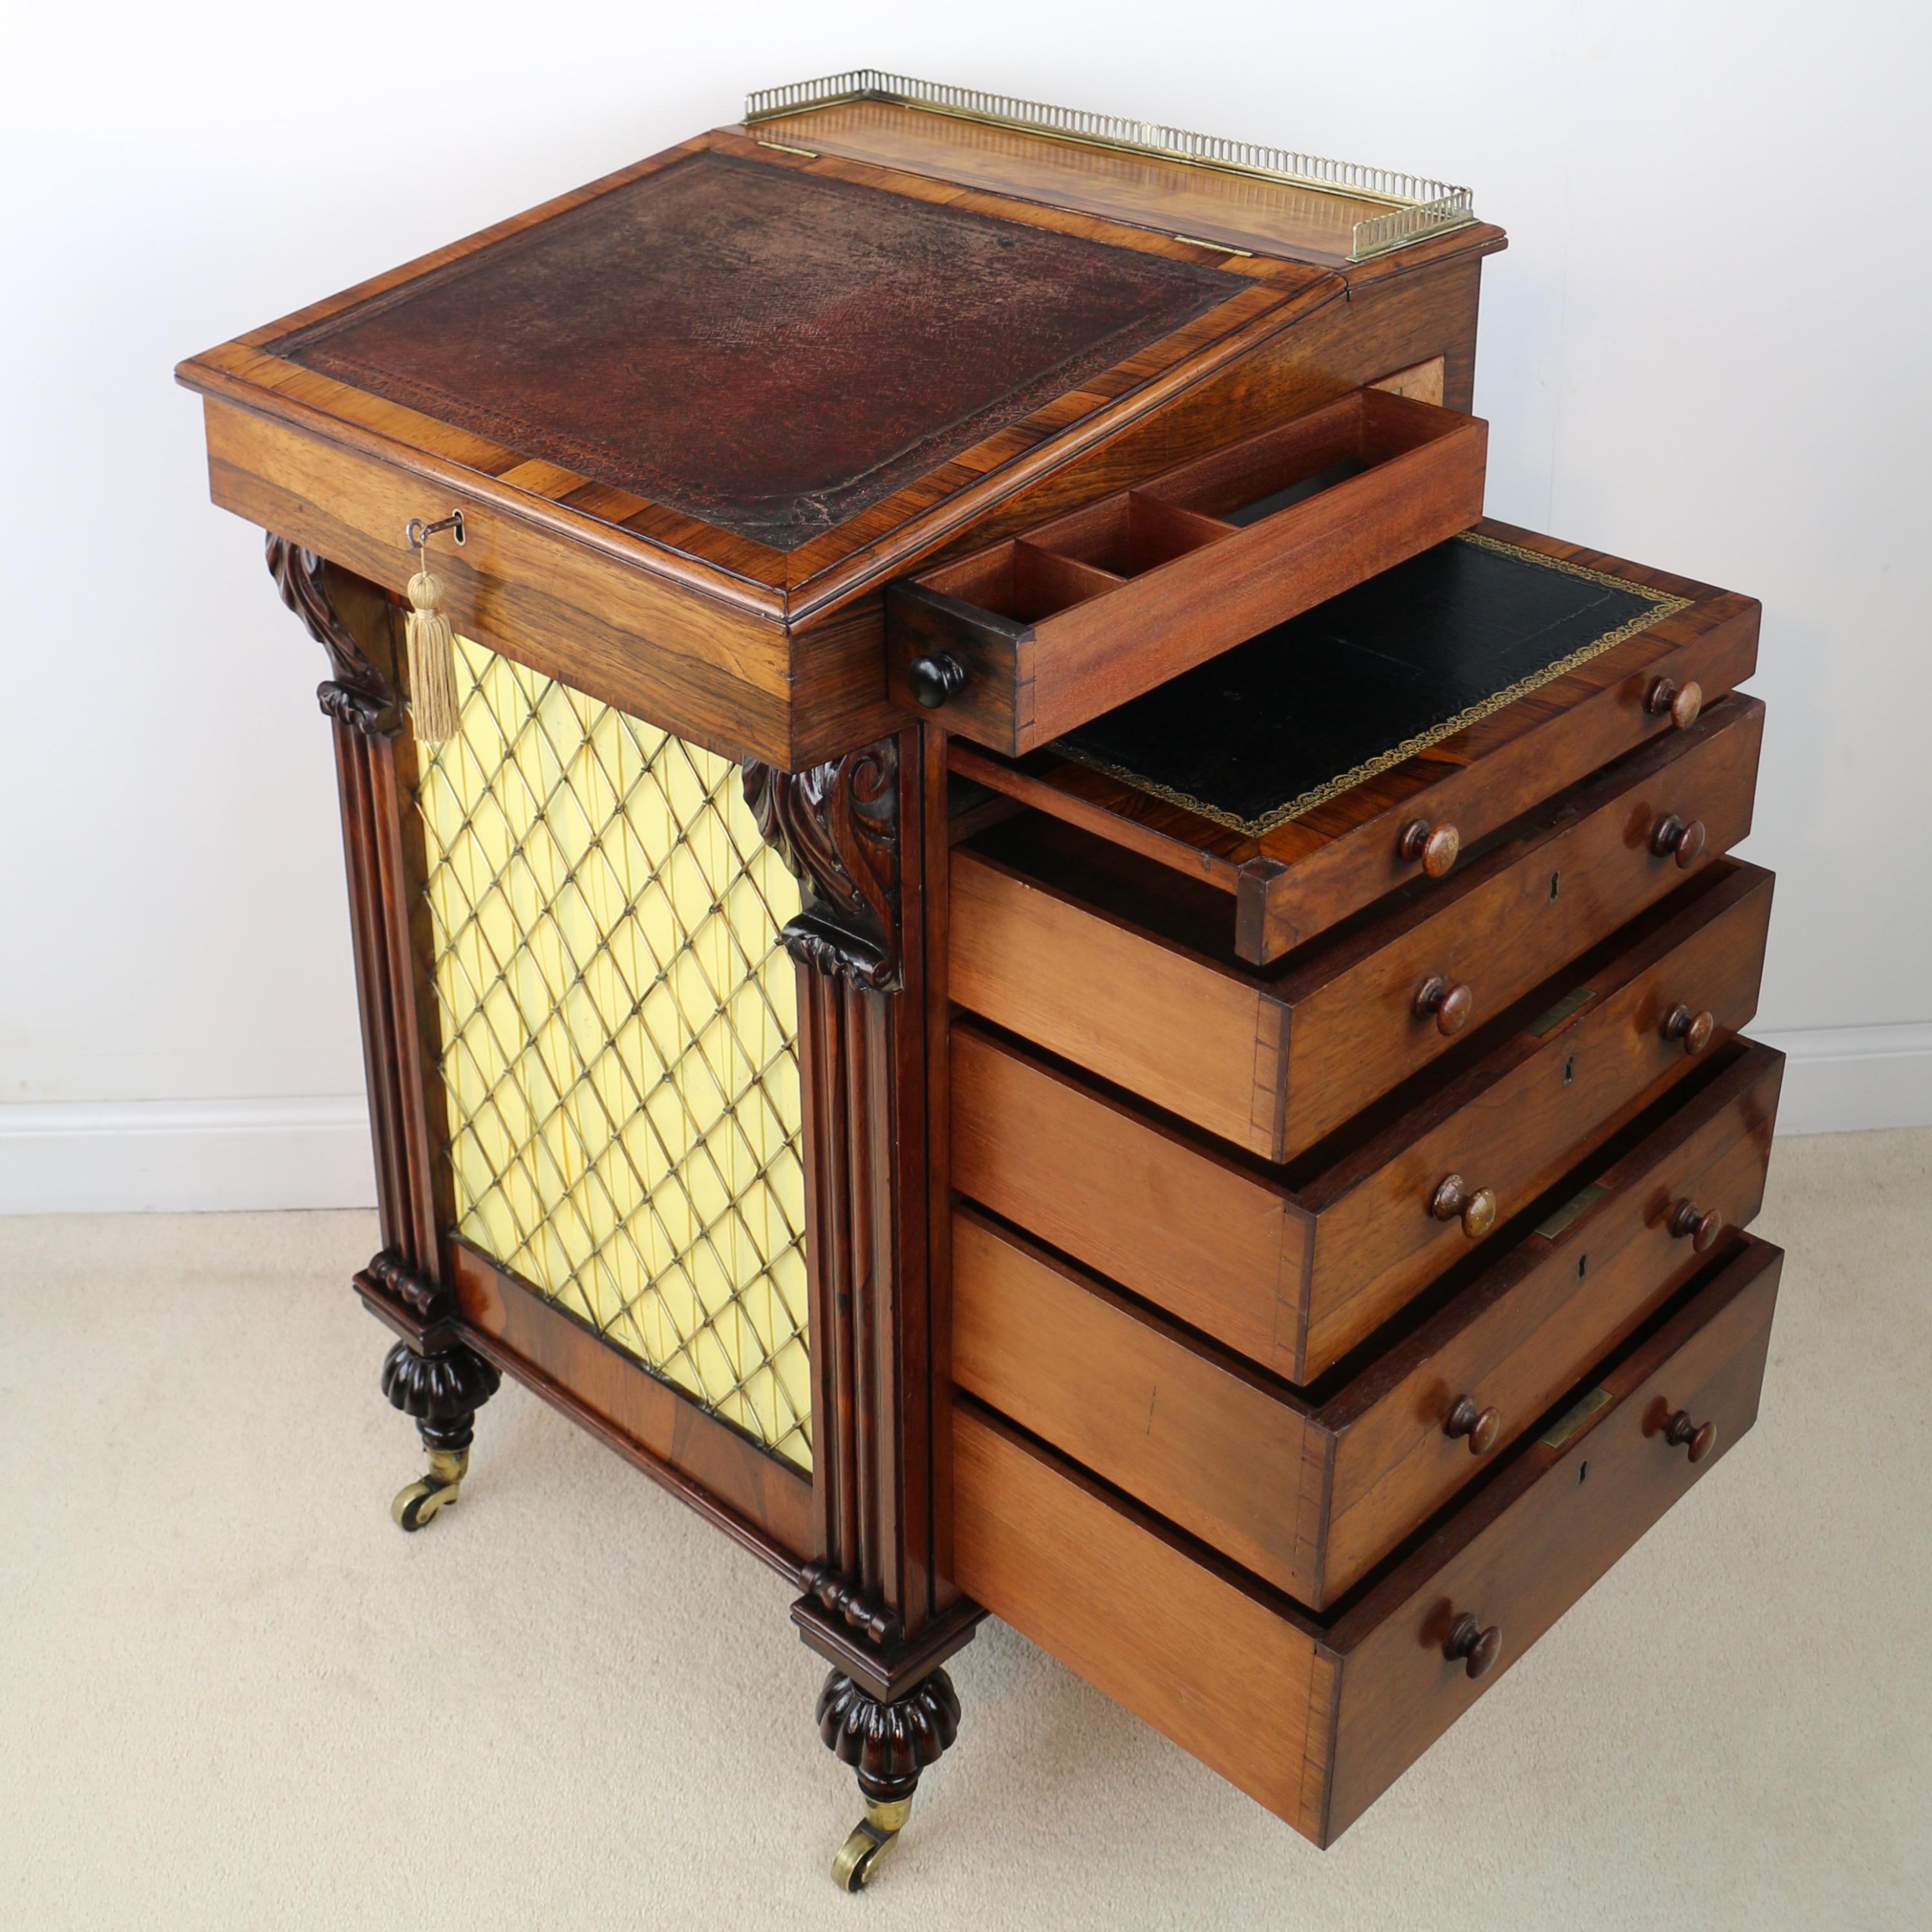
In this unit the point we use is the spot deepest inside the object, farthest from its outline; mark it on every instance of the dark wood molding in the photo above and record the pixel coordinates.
(853, 830)
(836, 825)
(720, 1471)
(351, 619)
(879, 1623)
(357, 693)
(889, 1743)
(440, 1392)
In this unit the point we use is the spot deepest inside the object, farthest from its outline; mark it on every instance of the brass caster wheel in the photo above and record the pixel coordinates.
(422, 1501)
(872, 1837)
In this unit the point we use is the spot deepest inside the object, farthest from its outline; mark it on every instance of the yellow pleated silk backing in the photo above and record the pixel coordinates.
(618, 1037)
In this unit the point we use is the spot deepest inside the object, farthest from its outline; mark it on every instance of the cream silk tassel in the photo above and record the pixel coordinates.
(432, 647)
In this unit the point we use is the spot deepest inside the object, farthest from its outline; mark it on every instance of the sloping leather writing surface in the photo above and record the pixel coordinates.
(766, 350)
(1274, 728)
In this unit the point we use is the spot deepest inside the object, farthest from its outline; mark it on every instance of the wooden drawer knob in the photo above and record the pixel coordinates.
(935, 679)
(1435, 845)
(1448, 1001)
(1694, 1029)
(1481, 1426)
(1683, 702)
(1680, 1432)
(1476, 1648)
(1453, 1201)
(1687, 1218)
(1670, 837)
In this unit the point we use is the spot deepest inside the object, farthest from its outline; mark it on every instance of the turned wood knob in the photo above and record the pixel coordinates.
(1454, 1200)
(1480, 1426)
(936, 678)
(1683, 702)
(1687, 1218)
(1476, 1648)
(1435, 845)
(1670, 837)
(1448, 1001)
(1679, 1432)
(1694, 1029)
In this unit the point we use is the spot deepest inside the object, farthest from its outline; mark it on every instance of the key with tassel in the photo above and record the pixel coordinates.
(431, 640)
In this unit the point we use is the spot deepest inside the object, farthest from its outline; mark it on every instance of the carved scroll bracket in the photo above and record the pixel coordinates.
(357, 692)
(837, 827)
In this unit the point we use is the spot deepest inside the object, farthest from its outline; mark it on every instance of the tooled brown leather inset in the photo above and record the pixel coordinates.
(764, 349)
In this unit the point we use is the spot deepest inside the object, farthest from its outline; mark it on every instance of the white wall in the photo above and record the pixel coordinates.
(1705, 348)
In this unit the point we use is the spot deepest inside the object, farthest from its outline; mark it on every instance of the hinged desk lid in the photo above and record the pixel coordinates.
(756, 379)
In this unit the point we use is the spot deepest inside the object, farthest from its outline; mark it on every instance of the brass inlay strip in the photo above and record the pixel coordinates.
(1571, 1209)
(1560, 1433)
(1545, 1024)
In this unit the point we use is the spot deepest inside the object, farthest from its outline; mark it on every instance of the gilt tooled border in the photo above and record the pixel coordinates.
(1664, 604)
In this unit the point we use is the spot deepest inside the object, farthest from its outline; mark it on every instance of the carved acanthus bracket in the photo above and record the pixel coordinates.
(837, 827)
(357, 693)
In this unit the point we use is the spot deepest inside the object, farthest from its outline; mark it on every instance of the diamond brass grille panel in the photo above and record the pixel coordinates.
(618, 1037)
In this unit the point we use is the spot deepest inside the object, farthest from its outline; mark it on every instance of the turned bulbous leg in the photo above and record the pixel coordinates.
(888, 1745)
(441, 1391)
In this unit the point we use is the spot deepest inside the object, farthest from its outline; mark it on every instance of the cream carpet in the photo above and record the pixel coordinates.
(234, 1694)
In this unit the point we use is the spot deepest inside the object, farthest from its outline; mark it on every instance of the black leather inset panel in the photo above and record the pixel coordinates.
(1275, 726)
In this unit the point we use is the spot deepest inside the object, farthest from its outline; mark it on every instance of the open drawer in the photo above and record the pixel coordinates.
(1310, 1489)
(1294, 1268)
(1014, 644)
(1312, 769)
(1129, 971)
(1315, 1715)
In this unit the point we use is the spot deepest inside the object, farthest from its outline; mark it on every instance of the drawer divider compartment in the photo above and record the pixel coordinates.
(1165, 581)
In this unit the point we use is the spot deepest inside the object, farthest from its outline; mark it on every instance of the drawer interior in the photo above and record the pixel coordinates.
(1278, 474)
(1185, 911)
(1013, 644)
(1288, 771)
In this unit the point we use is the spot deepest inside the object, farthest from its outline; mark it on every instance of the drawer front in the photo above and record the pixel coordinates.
(1508, 1346)
(1314, 1719)
(1518, 917)
(1293, 1277)
(1310, 1498)
(1384, 1221)
(1525, 1552)
(1272, 1062)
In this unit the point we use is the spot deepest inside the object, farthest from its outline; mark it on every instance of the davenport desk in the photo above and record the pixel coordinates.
(998, 935)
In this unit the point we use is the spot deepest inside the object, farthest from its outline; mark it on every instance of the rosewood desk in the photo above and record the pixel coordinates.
(1024, 958)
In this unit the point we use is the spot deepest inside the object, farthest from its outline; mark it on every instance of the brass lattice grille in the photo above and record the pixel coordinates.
(618, 1027)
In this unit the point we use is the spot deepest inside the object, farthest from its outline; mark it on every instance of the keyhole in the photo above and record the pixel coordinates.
(1554, 877)
(1569, 1070)
(1582, 1470)
(1583, 1266)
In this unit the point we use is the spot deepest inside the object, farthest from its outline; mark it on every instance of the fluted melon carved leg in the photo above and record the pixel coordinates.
(888, 1745)
(441, 1391)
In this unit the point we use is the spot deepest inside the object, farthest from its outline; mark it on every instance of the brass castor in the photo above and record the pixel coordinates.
(872, 1837)
(421, 1502)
